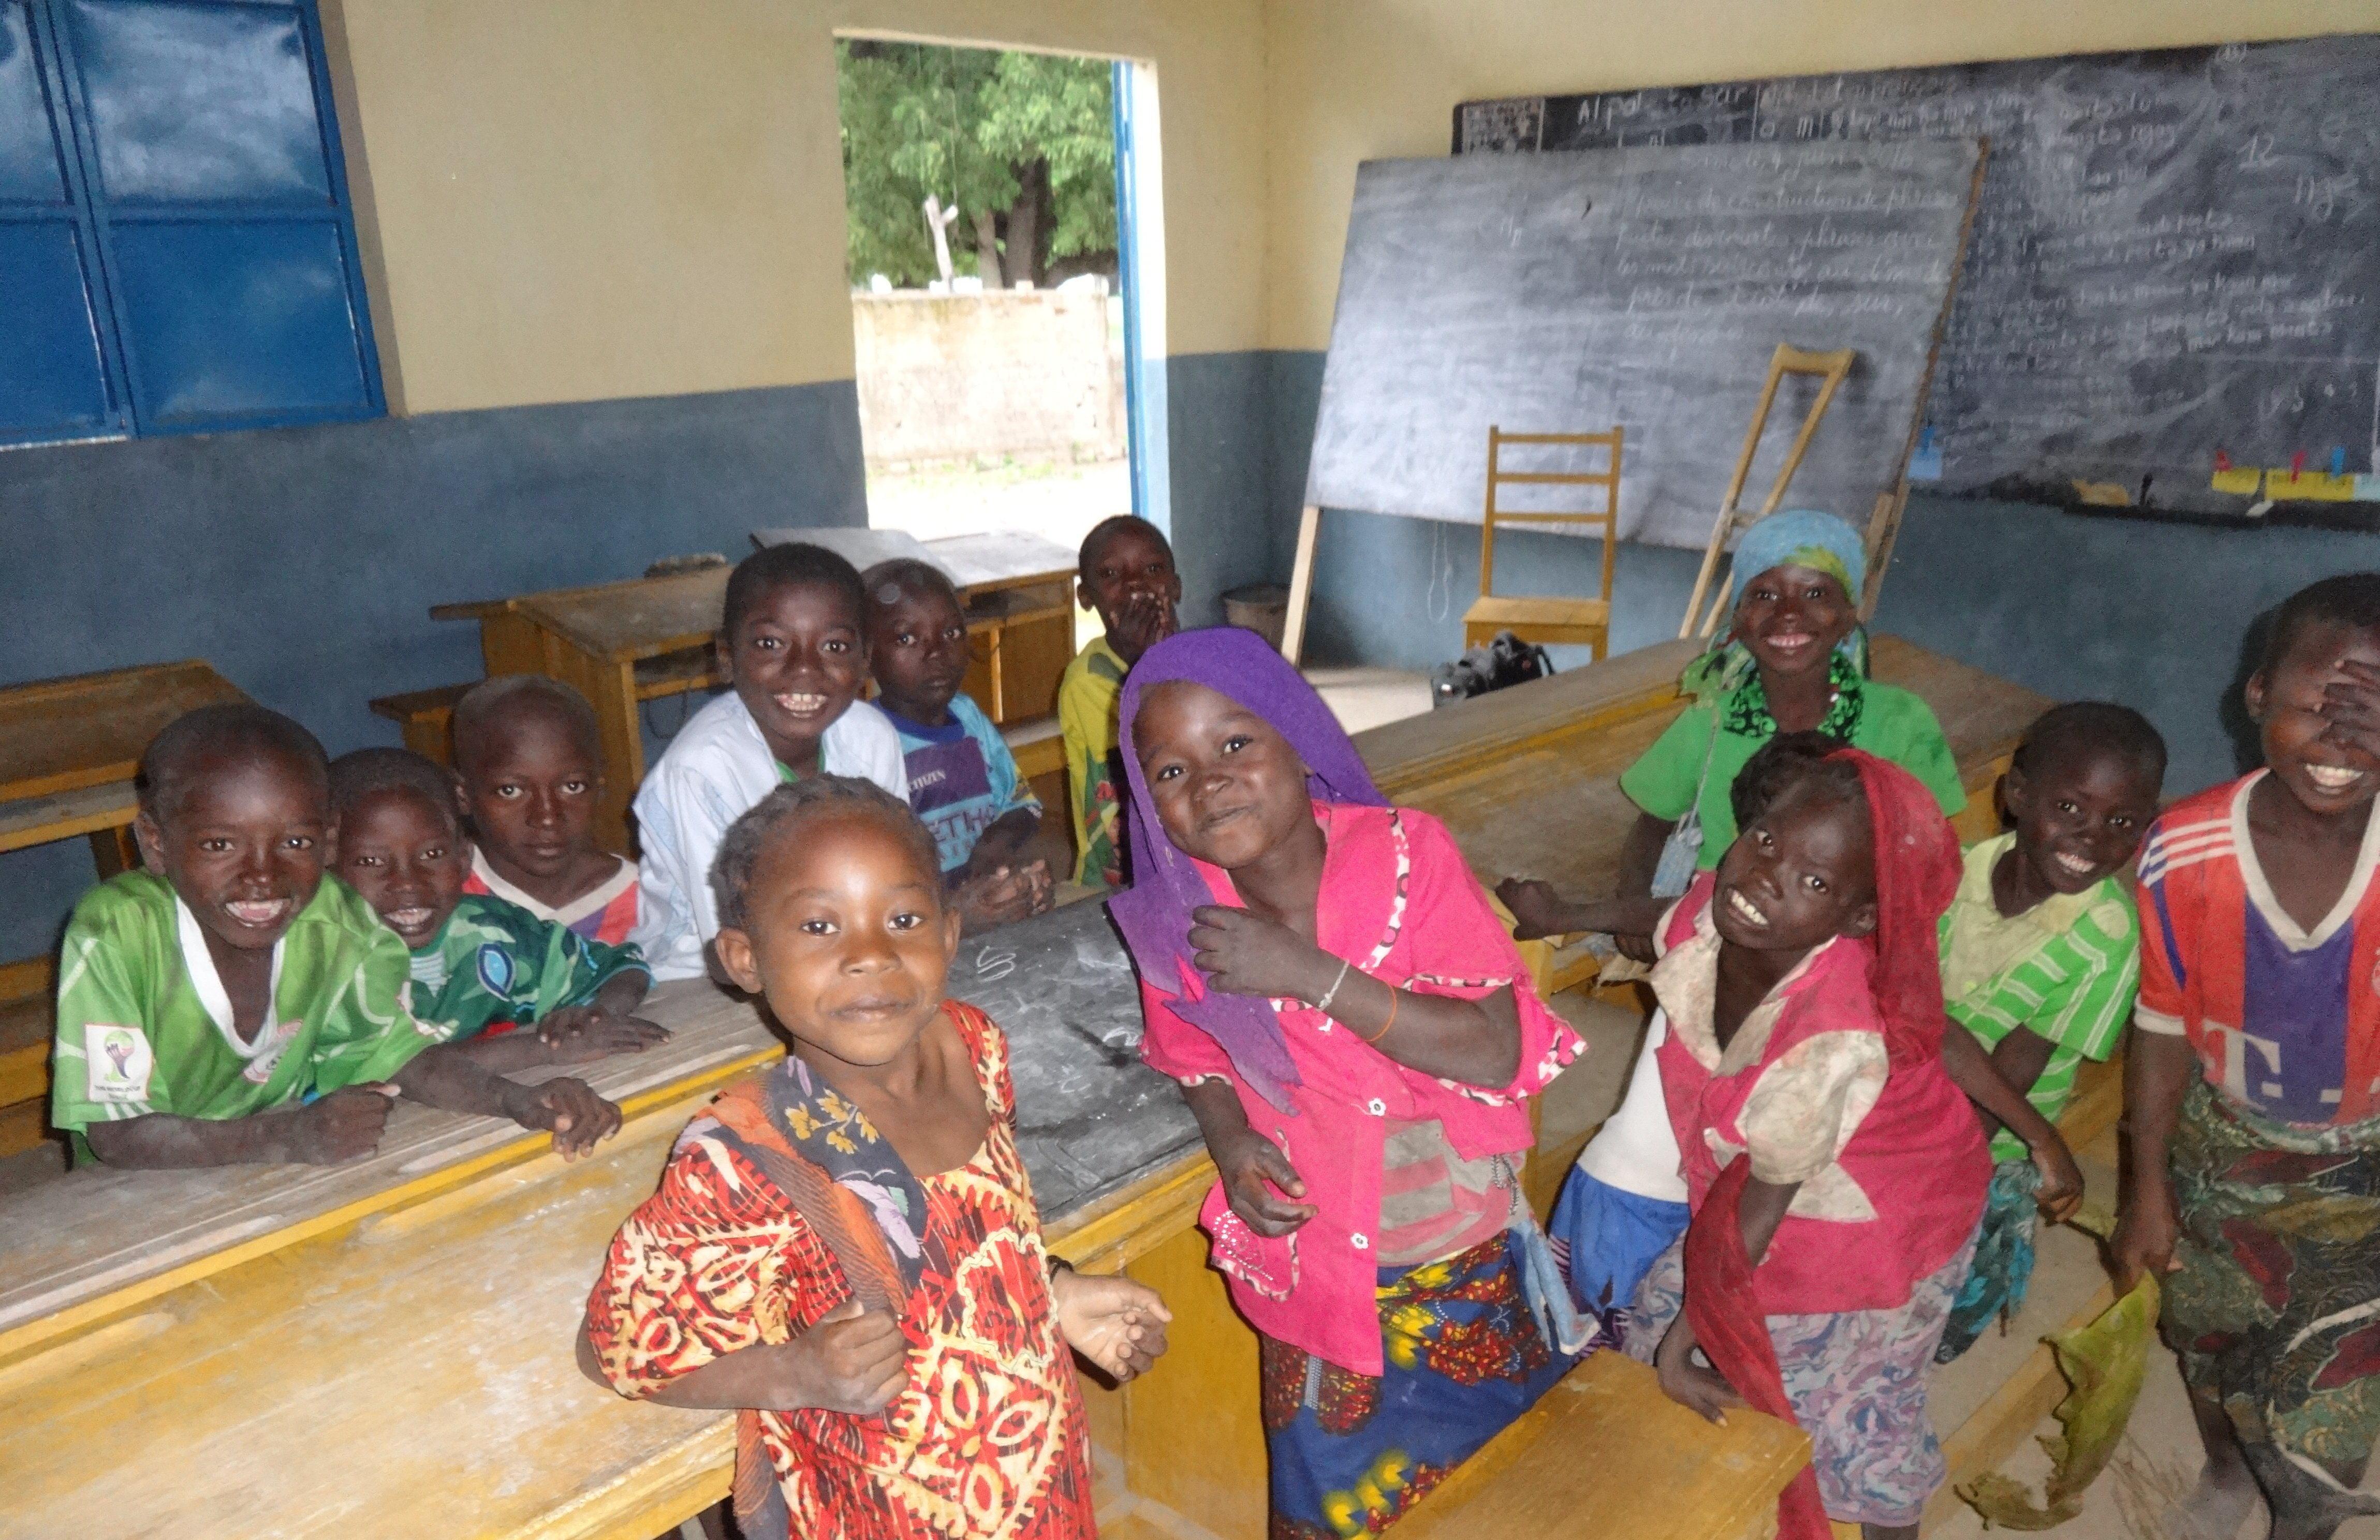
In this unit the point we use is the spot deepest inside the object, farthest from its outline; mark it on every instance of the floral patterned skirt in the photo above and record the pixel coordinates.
(1462, 1357)
(2275, 1308)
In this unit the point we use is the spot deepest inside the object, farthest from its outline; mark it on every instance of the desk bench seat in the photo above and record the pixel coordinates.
(1606, 1455)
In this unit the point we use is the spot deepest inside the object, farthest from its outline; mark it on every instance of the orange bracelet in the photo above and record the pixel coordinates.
(1394, 995)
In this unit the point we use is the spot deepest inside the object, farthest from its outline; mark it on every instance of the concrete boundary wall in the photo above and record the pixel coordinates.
(1031, 374)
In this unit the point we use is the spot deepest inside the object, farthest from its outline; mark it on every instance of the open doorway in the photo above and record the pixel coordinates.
(994, 203)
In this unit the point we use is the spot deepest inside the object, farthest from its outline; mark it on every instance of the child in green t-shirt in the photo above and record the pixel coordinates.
(2041, 957)
(482, 967)
(228, 1005)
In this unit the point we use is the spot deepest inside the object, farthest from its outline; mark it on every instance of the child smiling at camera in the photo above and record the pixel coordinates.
(792, 634)
(845, 1250)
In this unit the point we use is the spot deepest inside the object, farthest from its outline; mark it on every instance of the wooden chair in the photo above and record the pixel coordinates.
(1831, 370)
(1559, 621)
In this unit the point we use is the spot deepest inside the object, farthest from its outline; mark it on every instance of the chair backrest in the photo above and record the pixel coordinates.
(1606, 480)
(1831, 370)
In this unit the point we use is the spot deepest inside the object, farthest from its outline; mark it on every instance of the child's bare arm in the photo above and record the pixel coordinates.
(2000, 1103)
(1640, 855)
(1540, 911)
(1691, 1385)
(849, 1362)
(604, 1025)
(446, 1078)
(2158, 1068)
(341, 1126)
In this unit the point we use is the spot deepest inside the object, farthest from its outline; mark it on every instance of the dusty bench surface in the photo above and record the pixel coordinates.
(412, 1373)
(1580, 1463)
(84, 1246)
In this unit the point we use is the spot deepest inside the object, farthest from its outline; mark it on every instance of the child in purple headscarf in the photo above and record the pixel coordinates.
(1355, 1032)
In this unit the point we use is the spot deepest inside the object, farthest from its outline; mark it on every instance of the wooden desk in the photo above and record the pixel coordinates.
(69, 748)
(623, 644)
(422, 1382)
(86, 1248)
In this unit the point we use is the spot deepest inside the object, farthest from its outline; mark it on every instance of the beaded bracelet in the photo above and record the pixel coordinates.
(1331, 993)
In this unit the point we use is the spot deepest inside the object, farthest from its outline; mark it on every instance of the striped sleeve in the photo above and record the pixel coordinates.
(2163, 922)
(2085, 1011)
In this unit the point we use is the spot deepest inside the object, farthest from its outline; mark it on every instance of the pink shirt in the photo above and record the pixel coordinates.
(1891, 1164)
(1400, 903)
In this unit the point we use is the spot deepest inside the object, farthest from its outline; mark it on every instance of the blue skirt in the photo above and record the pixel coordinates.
(1462, 1354)
(1607, 1239)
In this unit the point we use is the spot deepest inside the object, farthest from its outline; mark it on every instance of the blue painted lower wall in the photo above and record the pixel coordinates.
(302, 562)
(2155, 615)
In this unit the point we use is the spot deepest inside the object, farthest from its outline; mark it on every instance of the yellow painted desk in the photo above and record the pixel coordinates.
(624, 644)
(455, 1323)
(87, 1248)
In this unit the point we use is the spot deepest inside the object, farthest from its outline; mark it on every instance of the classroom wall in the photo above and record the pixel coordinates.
(2148, 613)
(605, 245)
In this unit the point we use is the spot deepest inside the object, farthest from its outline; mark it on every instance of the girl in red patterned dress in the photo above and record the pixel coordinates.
(845, 1250)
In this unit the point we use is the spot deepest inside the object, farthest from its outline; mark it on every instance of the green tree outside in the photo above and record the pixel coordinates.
(1022, 145)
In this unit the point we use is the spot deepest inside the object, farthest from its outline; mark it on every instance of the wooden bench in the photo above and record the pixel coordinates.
(1606, 1455)
(26, 1014)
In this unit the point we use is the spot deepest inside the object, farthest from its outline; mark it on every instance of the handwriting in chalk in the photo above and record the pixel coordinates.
(992, 964)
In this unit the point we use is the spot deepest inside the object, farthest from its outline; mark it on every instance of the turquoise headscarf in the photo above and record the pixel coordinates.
(1794, 538)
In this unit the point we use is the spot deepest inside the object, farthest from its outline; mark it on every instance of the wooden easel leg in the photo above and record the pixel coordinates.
(1301, 584)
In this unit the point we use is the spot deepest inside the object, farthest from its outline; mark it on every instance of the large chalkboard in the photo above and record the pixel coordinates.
(2176, 252)
(1642, 286)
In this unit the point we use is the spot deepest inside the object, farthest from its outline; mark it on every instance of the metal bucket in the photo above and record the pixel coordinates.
(1262, 608)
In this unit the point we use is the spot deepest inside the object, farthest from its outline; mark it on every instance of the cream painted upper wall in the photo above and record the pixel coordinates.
(575, 200)
(1350, 82)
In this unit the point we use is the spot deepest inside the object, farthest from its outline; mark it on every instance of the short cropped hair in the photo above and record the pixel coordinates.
(788, 807)
(492, 702)
(782, 566)
(237, 729)
(1785, 761)
(1105, 530)
(2094, 726)
(887, 581)
(367, 772)
(2351, 599)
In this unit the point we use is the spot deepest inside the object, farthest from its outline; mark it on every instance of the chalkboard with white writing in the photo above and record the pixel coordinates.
(1646, 288)
(2176, 257)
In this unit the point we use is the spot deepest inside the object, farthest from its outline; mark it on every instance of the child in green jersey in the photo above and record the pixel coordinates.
(482, 967)
(2041, 960)
(228, 1005)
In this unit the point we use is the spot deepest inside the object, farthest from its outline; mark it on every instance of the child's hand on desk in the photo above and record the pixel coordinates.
(570, 1107)
(854, 1360)
(1114, 1321)
(1693, 1385)
(582, 1034)
(1003, 894)
(344, 1125)
(1252, 1167)
(1243, 953)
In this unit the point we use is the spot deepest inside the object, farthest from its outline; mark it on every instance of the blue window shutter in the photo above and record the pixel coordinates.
(55, 367)
(213, 235)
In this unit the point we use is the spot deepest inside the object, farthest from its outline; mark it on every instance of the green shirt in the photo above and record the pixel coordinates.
(494, 961)
(145, 1025)
(1088, 698)
(1893, 724)
(2066, 969)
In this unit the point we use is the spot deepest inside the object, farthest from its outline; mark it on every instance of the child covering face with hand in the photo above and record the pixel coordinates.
(845, 1250)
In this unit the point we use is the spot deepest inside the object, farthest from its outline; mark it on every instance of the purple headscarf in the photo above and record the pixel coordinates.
(1154, 913)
